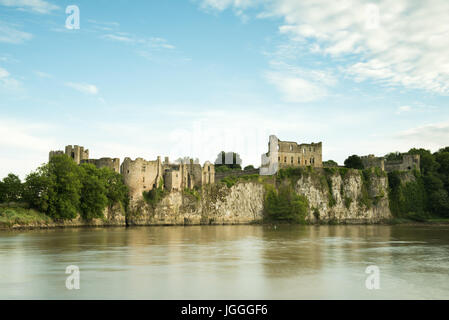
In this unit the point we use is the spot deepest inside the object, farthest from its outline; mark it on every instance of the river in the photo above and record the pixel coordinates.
(227, 262)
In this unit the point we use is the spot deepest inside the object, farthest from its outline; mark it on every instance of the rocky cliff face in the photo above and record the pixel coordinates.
(347, 198)
(333, 197)
(217, 204)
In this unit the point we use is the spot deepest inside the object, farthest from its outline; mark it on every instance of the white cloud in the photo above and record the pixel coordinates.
(403, 109)
(430, 136)
(23, 146)
(9, 34)
(8, 82)
(43, 74)
(151, 42)
(83, 87)
(298, 84)
(406, 45)
(38, 6)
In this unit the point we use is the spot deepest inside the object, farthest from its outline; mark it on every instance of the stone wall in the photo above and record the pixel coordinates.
(408, 163)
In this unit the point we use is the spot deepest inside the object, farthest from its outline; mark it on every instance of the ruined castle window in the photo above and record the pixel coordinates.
(303, 150)
(305, 161)
(143, 179)
(299, 160)
(279, 159)
(285, 159)
(127, 171)
(208, 168)
(292, 160)
(291, 148)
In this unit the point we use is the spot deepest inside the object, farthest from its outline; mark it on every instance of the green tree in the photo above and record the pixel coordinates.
(37, 189)
(285, 205)
(330, 163)
(11, 189)
(64, 187)
(93, 198)
(354, 162)
(250, 167)
(392, 156)
(427, 160)
(116, 189)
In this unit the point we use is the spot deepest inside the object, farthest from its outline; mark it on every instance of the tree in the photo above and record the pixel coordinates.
(229, 159)
(392, 156)
(116, 189)
(249, 167)
(93, 198)
(427, 160)
(36, 189)
(11, 189)
(354, 162)
(330, 163)
(64, 187)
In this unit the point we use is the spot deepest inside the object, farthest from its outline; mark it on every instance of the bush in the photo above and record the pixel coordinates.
(354, 162)
(10, 189)
(285, 205)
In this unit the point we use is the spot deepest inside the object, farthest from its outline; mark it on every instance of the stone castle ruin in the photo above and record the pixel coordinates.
(283, 154)
(79, 155)
(409, 162)
(142, 176)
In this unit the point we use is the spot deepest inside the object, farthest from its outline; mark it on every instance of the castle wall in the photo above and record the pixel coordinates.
(409, 162)
(77, 153)
(283, 154)
(371, 161)
(141, 175)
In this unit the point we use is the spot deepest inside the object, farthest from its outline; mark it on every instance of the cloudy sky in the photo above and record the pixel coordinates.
(192, 78)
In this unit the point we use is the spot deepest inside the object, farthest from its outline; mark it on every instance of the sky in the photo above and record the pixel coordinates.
(192, 78)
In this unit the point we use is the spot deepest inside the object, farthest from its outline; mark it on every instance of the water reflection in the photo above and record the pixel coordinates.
(221, 262)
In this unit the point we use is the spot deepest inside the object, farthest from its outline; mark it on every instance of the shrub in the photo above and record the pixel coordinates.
(284, 205)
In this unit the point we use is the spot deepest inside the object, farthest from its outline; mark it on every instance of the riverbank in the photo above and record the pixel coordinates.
(19, 218)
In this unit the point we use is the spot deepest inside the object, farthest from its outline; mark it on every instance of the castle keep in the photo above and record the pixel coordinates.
(283, 154)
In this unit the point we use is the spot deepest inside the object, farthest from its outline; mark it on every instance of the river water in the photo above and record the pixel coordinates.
(227, 262)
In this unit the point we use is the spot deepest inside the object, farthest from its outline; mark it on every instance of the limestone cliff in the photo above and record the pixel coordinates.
(339, 196)
(350, 197)
(217, 204)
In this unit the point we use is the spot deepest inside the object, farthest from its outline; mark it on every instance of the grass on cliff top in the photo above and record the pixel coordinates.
(10, 216)
(232, 180)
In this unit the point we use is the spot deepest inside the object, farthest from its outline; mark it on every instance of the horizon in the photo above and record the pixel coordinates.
(198, 77)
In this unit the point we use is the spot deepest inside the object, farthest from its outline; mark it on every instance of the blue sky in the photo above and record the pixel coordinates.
(192, 78)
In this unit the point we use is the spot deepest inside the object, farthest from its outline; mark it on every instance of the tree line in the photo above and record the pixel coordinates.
(428, 194)
(62, 189)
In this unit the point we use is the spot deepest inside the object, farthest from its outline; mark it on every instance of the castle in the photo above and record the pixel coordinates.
(409, 162)
(282, 154)
(142, 176)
